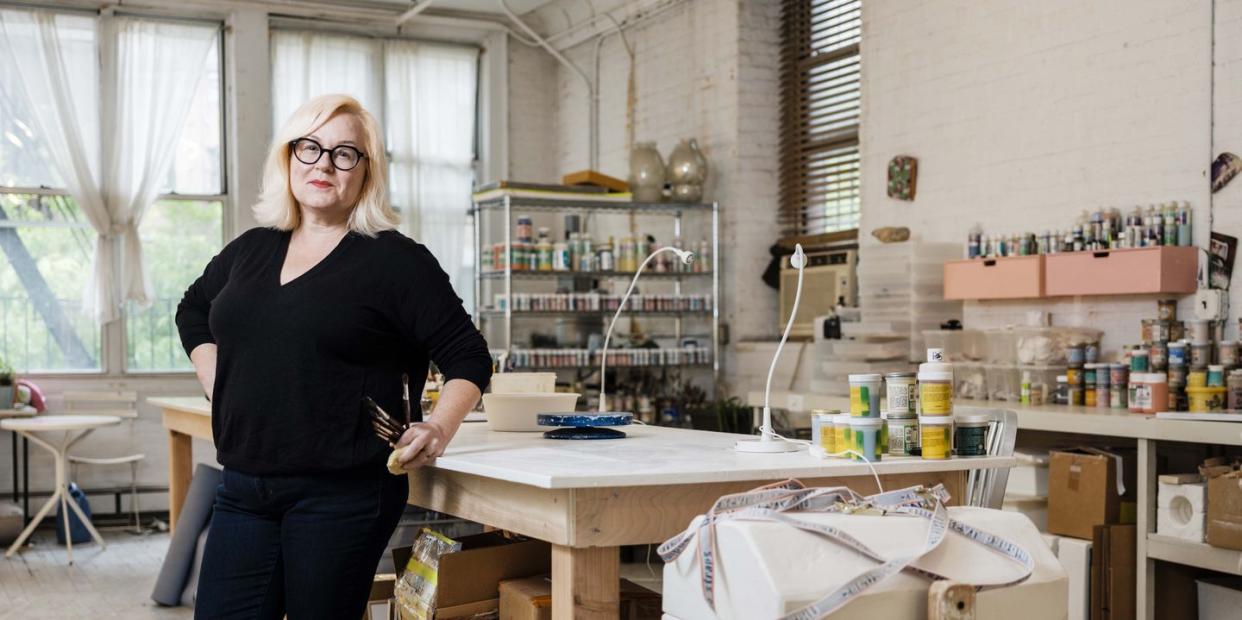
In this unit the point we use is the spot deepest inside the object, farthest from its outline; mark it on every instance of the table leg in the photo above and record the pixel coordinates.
(180, 461)
(585, 582)
(62, 487)
(30, 527)
(15, 489)
(26, 477)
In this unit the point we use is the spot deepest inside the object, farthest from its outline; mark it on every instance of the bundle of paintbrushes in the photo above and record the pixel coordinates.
(388, 428)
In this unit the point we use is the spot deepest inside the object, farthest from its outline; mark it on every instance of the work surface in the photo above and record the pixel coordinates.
(653, 455)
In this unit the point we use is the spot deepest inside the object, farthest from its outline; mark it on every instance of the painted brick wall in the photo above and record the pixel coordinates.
(705, 69)
(1023, 115)
(1227, 131)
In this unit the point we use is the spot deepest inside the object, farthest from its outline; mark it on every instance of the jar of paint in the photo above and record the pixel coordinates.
(936, 437)
(1091, 352)
(1157, 392)
(1061, 395)
(1117, 374)
(841, 428)
(1206, 399)
(970, 434)
(1177, 396)
(884, 433)
(1177, 354)
(1138, 391)
(1158, 356)
(865, 395)
(1200, 330)
(1138, 360)
(903, 393)
(1234, 387)
(865, 438)
(903, 434)
(1216, 376)
(1089, 373)
(1076, 354)
(1166, 309)
(1178, 375)
(1200, 354)
(1073, 375)
(936, 393)
(1227, 354)
(1196, 379)
(823, 431)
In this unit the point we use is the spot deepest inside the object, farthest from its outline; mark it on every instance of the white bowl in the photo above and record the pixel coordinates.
(523, 382)
(519, 412)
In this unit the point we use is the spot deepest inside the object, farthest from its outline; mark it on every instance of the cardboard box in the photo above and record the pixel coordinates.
(1083, 490)
(531, 599)
(1113, 572)
(1224, 510)
(468, 581)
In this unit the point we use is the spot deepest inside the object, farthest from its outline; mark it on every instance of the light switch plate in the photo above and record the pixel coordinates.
(1211, 304)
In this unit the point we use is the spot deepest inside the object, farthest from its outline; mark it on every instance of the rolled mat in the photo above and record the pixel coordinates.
(182, 557)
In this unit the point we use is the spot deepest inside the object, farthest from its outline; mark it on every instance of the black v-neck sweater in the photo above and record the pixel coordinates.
(294, 361)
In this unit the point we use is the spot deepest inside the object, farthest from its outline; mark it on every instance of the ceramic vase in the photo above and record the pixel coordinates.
(687, 171)
(687, 192)
(646, 173)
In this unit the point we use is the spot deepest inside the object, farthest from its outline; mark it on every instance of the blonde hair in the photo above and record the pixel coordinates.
(277, 207)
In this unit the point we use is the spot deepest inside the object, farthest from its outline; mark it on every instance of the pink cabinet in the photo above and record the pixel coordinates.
(1170, 269)
(1013, 277)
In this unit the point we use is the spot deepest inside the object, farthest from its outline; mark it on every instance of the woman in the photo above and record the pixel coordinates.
(289, 328)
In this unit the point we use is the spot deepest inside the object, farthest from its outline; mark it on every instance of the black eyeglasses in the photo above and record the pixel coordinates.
(343, 157)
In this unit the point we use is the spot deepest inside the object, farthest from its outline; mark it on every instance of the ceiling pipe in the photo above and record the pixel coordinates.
(413, 11)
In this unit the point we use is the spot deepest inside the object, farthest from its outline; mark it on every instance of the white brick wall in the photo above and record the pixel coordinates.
(1025, 114)
(1227, 131)
(705, 69)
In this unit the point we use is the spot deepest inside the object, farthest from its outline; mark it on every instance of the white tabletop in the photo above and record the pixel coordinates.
(59, 423)
(652, 455)
(189, 404)
(21, 412)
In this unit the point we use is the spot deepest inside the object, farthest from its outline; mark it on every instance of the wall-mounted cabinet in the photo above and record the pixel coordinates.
(1165, 269)
(1171, 270)
(1013, 277)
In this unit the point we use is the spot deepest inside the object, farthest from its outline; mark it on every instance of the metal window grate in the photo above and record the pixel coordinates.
(820, 108)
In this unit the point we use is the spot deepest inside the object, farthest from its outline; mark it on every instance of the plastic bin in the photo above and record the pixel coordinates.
(1043, 380)
(1004, 383)
(868, 351)
(970, 381)
(1002, 346)
(1047, 345)
(960, 345)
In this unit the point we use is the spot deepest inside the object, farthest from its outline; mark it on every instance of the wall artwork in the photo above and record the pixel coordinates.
(1223, 169)
(902, 173)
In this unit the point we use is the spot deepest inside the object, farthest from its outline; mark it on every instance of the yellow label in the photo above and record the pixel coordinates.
(936, 444)
(844, 438)
(828, 439)
(860, 400)
(936, 398)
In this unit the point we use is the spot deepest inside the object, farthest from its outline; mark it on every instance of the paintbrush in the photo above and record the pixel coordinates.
(386, 428)
(405, 396)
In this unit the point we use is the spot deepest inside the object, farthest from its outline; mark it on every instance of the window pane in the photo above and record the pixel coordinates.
(179, 237)
(196, 164)
(26, 95)
(308, 64)
(45, 258)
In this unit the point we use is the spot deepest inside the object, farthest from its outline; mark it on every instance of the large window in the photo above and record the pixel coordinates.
(820, 115)
(47, 240)
(424, 95)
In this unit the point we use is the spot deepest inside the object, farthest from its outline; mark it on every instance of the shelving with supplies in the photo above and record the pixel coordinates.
(581, 294)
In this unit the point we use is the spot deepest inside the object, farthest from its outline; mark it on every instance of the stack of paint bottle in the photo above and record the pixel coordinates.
(866, 424)
(901, 413)
(936, 406)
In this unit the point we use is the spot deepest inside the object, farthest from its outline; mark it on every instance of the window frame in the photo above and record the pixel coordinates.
(114, 336)
(798, 61)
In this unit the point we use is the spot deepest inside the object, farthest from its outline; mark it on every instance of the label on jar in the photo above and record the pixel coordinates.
(936, 442)
(902, 439)
(902, 397)
(937, 398)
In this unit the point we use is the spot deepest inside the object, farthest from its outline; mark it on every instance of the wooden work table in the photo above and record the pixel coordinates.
(588, 498)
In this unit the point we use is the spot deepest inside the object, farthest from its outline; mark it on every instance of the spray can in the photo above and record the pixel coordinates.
(1183, 224)
(1170, 224)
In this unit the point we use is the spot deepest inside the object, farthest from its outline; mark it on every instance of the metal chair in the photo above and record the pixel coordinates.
(986, 487)
(123, 404)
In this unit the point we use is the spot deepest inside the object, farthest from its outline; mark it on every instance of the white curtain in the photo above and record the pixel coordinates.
(158, 65)
(137, 114)
(431, 121)
(309, 64)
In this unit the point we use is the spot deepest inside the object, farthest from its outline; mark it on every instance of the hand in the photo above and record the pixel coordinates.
(423, 442)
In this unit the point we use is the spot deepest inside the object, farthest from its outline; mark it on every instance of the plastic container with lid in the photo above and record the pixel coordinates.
(841, 432)
(970, 434)
(1216, 376)
(865, 395)
(936, 437)
(1206, 399)
(865, 437)
(936, 392)
(1157, 392)
(823, 432)
(1139, 395)
(903, 433)
(903, 393)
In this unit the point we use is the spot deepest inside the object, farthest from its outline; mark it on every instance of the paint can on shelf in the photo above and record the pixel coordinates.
(865, 438)
(970, 434)
(865, 395)
(823, 433)
(1227, 354)
(936, 437)
(1138, 360)
(1166, 309)
(1158, 356)
(1200, 330)
(1234, 388)
(1216, 376)
(841, 430)
(1200, 354)
(1206, 399)
(902, 389)
(1178, 354)
(903, 434)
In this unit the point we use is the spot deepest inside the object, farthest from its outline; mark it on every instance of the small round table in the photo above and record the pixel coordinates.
(66, 426)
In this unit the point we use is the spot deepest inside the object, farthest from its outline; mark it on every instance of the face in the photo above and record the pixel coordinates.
(322, 187)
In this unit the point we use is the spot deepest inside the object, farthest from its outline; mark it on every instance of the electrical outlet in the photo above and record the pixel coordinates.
(1211, 304)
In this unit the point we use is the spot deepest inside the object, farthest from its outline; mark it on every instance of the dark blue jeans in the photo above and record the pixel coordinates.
(305, 546)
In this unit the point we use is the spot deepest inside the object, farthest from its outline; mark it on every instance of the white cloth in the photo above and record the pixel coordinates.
(431, 119)
(137, 116)
(309, 64)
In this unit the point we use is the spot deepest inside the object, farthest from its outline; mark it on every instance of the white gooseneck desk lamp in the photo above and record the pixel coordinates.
(686, 258)
(768, 442)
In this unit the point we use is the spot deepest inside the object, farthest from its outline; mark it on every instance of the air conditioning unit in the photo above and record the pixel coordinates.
(830, 275)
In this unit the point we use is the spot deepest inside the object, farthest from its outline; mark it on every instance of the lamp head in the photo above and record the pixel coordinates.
(686, 256)
(798, 260)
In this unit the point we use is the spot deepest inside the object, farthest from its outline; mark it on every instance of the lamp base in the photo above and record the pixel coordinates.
(765, 445)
